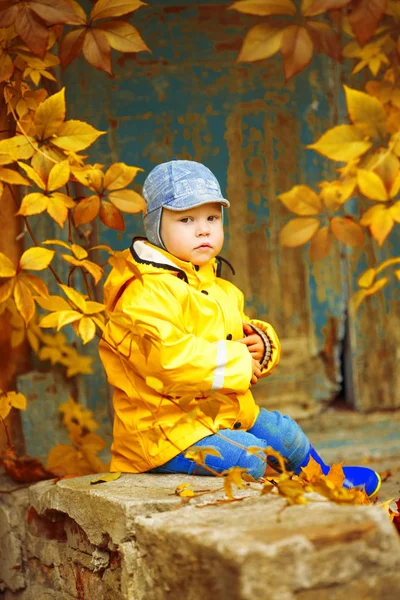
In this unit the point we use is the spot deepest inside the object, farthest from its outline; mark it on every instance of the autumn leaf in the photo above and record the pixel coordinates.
(366, 112)
(110, 216)
(36, 259)
(371, 185)
(50, 115)
(7, 269)
(342, 143)
(127, 201)
(298, 231)
(347, 231)
(184, 490)
(316, 7)
(123, 37)
(297, 50)
(96, 50)
(105, 478)
(24, 301)
(9, 400)
(262, 41)
(325, 39)
(104, 9)
(320, 244)
(86, 210)
(367, 278)
(76, 136)
(233, 476)
(365, 16)
(302, 200)
(380, 222)
(119, 175)
(71, 46)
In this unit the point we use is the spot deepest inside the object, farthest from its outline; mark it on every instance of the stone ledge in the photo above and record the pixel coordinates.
(125, 540)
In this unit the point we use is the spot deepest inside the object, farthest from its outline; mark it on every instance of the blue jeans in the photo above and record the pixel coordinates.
(270, 429)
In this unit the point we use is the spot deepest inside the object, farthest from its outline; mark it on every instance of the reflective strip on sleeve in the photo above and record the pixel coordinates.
(219, 373)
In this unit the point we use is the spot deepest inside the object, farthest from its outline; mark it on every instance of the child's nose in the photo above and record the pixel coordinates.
(203, 228)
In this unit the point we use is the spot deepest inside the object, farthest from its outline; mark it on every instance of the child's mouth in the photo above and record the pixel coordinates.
(203, 247)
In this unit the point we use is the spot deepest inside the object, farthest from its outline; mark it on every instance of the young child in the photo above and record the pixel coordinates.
(180, 340)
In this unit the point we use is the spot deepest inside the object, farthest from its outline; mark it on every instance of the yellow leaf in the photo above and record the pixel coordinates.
(76, 136)
(33, 204)
(76, 297)
(64, 459)
(93, 307)
(59, 319)
(7, 269)
(57, 208)
(347, 231)
(50, 115)
(184, 491)
(119, 175)
(79, 252)
(36, 259)
(320, 244)
(53, 303)
(371, 185)
(395, 187)
(367, 278)
(378, 285)
(343, 143)
(97, 50)
(336, 475)
(17, 147)
(32, 174)
(17, 400)
(24, 301)
(58, 243)
(105, 478)
(298, 231)
(12, 177)
(369, 215)
(366, 112)
(104, 9)
(35, 283)
(5, 406)
(382, 225)
(262, 41)
(302, 200)
(264, 8)
(395, 211)
(95, 270)
(59, 175)
(128, 201)
(123, 37)
(86, 329)
(199, 453)
(6, 289)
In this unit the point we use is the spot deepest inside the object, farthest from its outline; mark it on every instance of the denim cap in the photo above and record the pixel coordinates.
(177, 185)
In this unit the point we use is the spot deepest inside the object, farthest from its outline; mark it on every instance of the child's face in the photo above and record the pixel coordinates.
(195, 235)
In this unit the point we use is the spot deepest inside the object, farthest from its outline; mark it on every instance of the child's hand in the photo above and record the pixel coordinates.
(254, 343)
(256, 372)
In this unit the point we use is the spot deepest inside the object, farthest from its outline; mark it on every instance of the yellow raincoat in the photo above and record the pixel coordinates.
(169, 347)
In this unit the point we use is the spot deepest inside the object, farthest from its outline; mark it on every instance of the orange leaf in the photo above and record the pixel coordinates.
(325, 39)
(54, 11)
(336, 475)
(110, 216)
(347, 231)
(312, 470)
(6, 289)
(24, 301)
(262, 41)
(104, 9)
(71, 46)
(264, 8)
(365, 16)
(86, 210)
(297, 50)
(317, 7)
(122, 36)
(320, 244)
(32, 30)
(298, 231)
(12, 177)
(96, 50)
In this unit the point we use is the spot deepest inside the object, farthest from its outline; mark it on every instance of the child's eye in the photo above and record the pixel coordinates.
(185, 219)
(213, 218)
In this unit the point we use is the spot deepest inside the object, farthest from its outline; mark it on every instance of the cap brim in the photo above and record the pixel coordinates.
(192, 203)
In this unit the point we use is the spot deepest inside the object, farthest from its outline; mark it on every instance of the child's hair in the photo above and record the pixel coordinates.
(177, 185)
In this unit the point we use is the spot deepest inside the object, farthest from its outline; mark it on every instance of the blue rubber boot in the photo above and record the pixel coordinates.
(355, 476)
